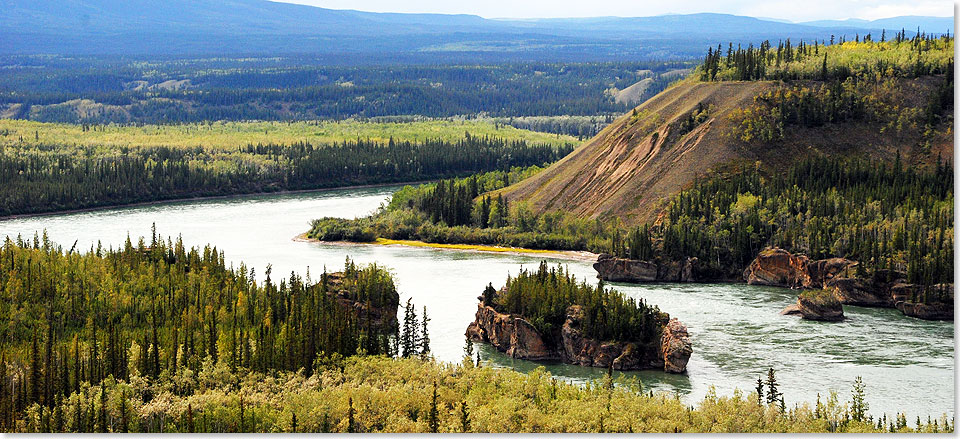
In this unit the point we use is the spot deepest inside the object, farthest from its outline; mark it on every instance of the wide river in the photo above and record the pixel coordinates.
(907, 364)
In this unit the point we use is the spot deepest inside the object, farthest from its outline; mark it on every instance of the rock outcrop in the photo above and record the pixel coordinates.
(885, 288)
(675, 347)
(614, 269)
(510, 334)
(936, 303)
(518, 338)
(575, 348)
(778, 268)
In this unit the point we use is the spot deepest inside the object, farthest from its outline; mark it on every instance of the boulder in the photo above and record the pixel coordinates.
(675, 347)
(820, 305)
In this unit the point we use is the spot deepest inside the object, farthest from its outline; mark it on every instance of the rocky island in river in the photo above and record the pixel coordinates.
(561, 320)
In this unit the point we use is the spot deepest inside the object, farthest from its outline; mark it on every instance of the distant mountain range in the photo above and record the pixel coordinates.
(909, 23)
(217, 27)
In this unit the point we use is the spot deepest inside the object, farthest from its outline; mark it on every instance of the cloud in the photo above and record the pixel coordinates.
(781, 9)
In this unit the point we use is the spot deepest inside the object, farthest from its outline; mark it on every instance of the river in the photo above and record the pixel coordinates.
(907, 364)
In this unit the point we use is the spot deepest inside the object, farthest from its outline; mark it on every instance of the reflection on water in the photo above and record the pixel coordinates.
(737, 332)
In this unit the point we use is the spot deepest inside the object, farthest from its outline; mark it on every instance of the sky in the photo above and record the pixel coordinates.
(792, 10)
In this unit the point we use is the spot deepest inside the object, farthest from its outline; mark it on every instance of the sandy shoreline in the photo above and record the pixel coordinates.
(569, 255)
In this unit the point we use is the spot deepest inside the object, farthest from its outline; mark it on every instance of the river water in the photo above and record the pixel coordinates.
(737, 333)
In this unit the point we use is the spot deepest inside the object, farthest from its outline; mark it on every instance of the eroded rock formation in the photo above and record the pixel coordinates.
(614, 269)
(510, 334)
(675, 347)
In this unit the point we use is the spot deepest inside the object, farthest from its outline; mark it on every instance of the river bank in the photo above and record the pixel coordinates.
(570, 255)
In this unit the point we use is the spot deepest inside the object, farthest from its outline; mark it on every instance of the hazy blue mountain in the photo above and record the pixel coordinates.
(909, 22)
(216, 27)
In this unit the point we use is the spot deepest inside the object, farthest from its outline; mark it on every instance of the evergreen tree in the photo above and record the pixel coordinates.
(434, 415)
(424, 335)
(773, 394)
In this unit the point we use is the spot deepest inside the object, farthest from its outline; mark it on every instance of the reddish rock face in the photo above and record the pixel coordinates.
(675, 347)
(510, 334)
(778, 268)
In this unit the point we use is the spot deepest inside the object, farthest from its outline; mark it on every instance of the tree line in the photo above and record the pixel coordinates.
(920, 55)
(43, 178)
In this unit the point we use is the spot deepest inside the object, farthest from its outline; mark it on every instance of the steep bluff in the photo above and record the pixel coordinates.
(515, 336)
(649, 154)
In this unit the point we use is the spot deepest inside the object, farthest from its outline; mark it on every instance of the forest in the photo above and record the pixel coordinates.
(158, 312)
(44, 177)
(543, 296)
(162, 91)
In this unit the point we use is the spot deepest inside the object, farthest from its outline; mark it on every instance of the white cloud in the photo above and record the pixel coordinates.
(782, 9)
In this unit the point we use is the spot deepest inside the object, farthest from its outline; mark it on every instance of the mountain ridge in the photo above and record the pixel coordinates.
(143, 27)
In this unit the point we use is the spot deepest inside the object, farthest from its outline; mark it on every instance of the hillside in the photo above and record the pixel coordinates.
(694, 128)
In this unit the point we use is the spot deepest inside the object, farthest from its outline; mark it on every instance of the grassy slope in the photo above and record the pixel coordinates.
(229, 135)
(636, 162)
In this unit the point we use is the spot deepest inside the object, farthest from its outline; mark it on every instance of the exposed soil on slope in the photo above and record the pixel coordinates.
(630, 168)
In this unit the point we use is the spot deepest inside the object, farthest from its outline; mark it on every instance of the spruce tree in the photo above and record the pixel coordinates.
(434, 415)
(424, 335)
(858, 406)
(464, 417)
(773, 394)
